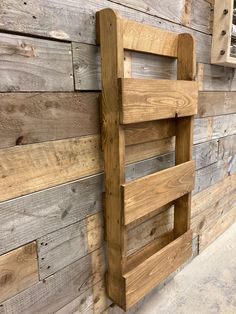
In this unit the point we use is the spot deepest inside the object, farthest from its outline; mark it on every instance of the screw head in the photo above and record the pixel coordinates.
(223, 33)
(226, 11)
(222, 52)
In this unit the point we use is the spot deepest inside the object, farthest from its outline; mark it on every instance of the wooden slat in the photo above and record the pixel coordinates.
(149, 131)
(27, 118)
(216, 103)
(31, 168)
(146, 100)
(18, 270)
(144, 195)
(144, 38)
(156, 268)
(31, 64)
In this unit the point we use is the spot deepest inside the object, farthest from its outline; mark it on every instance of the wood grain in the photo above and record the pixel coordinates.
(48, 296)
(151, 192)
(110, 37)
(18, 270)
(30, 168)
(143, 38)
(156, 268)
(31, 64)
(27, 118)
(65, 246)
(146, 100)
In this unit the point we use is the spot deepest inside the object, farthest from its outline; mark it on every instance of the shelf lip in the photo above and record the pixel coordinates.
(143, 278)
(145, 100)
(144, 195)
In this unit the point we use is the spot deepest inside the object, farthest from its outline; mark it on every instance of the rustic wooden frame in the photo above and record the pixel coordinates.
(131, 278)
(221, 39)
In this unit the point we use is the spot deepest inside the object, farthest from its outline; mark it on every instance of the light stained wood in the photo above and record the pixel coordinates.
(222, 22)
(160, 189)
(31, 64)
(110, 37)
(149, 131)
(186, 70)
(18, 271)
(143, 38)
(27, 118)
(31, 168)
(156, 268)
(147, 100)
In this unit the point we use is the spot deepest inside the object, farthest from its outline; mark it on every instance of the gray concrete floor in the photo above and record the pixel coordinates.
(206, 285)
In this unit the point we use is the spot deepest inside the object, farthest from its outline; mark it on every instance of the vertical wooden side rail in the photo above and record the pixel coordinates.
(111, 43)
(186, 70)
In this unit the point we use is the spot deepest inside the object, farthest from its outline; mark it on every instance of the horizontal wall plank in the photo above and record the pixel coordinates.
(31, 168)
(227, 152)
(53, 293)
(65, 246)
(147, 100)
(31, 64)
(194, 14)
(146, 194)
(213, 232)
(18, 270)
(27, 118)
(93, 300)
(216, 78)
(41, 18)
(206, 129)
(216, 103)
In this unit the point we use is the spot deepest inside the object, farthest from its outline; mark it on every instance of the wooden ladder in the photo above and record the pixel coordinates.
(128, 107)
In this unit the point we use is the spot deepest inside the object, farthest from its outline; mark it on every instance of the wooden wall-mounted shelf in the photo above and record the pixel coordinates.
(224, 38)
(128, 102)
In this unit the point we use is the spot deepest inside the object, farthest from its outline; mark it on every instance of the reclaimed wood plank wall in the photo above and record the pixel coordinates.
(52, 244)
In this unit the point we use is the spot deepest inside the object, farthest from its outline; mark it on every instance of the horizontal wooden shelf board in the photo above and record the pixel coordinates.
(156, 268)
(144, 38)
(146, 194)
(147, 100)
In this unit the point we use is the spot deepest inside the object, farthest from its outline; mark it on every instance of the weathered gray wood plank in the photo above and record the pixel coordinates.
(27, 118)
(194, 14)
(227, 152)
(216, 78)
(53, 293)
(216, 103)
(65, 246)
(64, 20)
(206, 129)
(31, 64)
